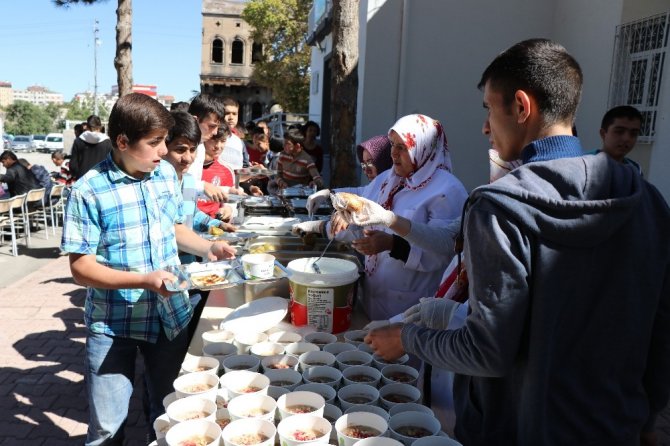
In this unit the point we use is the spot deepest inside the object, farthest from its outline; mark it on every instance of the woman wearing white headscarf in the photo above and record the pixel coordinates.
(420, 188)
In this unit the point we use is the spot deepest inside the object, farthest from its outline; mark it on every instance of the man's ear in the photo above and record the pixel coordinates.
(524, 105)
(602, 133)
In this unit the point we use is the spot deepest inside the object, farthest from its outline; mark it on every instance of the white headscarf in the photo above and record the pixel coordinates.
(427, 148)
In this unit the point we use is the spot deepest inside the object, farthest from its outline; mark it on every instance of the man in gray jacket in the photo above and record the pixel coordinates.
(568, 258)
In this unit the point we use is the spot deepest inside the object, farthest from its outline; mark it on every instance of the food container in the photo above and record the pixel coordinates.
(217, 336)
(369, 408)
(399, 373)
(398, 393)
(331, 413)
(200, 364)
(285, 337)
(278, 362)
(300, 402)
(378, 441)
(253, 405)
(241, 362)
(327, 392)
(361, 374)
(223, 417)
(303, 429)
(406, 427)
(355, 337)
(436, 440)
(197, 383)
(355, 426)
(245, 339)
(357, 394)
(219, 350)
(258, 266)
(266, 348)
(338, 347)
(322, 300)
(242, 432)
(352, 358)
(380, 362)
(298, 348)
(320, 338)
(244, 382)
(316, 358)
(407, 407)
(327, 375)
(197, 431)
(191, 408)
(288, 378)
(161, 426)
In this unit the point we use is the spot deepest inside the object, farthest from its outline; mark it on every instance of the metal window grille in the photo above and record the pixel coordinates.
(637, 68)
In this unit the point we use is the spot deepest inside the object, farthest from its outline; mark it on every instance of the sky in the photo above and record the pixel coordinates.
(42, 44)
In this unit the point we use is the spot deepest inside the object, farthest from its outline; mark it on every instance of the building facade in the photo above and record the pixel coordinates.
(6, 94)
(38, 95)
(427, 56)
(228, 57)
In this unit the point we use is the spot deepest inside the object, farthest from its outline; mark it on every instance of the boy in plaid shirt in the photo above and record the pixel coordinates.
(122, 228)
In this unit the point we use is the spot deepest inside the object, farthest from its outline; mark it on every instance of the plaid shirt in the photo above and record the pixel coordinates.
(128, 224)
(194, 218)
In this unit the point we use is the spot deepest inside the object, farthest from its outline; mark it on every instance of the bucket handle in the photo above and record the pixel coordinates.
(283, 268)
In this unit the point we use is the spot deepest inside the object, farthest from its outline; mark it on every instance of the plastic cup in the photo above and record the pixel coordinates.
(361, 374)
(411, 419)
(366, 348)
(351, 358)
(357, 394)
(369, 408)
(327, 392)
(170, 397)
(331, 413)
(275, 392)
(266, 348)
(191, 408)
(223, 417)
(243, 382)
(249, 426)
(380, 362)
(279, 362)
(324, 375)
(300, 402)
(399, 373)
(285, 337)
(161, 426)
(241, 362)
(218, 335)
(204, 384)
(254, 405)
(245, 339)
(362, 419)
(355, 337)
(338, 347)
(316, 358)
(287, 378)
(303, 429)
(398, 393)
(200, 364)
(258, 266)
(320, 338)
(407, 407)
(378, 441)
(192, 429)
(298, 348)
(219, 350)
(436, 440)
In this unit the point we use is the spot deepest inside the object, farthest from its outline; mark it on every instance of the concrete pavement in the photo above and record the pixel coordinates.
(42, 349)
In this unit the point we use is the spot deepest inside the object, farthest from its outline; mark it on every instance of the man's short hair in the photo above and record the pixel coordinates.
(179, 106)
(204, 105)
(185, 126)
(8, 154)
(58, 154)
(543, 69)
(136, 115)
(295, 136)
(621, 111)
(223, 132)
(309, 124)
(94, 123)
(230, 102)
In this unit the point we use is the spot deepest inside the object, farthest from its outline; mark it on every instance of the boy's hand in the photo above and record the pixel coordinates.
(214, 193)
(155, 282)
(225, 213)
(255, 191)
(281, 184)
(228, 227)
(220, 251)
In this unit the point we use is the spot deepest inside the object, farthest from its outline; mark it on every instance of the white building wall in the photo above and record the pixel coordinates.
(316, 84)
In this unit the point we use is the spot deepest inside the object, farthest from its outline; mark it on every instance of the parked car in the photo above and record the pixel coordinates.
(7, 140)
(38, 141)
(22, 143)
(52, 143)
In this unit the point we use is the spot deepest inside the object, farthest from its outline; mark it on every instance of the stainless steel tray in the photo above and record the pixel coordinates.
(195, 275)
(270, 243)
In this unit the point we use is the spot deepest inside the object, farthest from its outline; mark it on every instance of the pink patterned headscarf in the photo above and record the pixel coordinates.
(427, 146)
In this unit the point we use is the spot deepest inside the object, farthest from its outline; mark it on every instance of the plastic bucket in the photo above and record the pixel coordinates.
(322, 300)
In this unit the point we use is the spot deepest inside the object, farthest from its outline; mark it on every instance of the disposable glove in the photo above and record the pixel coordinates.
(308, 227)
(376, 324)
(371, 213)
(432, 312)
(315, 200)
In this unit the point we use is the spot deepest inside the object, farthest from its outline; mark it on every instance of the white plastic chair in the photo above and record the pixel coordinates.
(12, 219)
(56, 205)
(35, 210)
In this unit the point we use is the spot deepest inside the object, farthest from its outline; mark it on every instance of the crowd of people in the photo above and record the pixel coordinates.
(518, 298)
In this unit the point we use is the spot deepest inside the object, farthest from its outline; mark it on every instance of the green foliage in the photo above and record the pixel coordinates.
(80, 111)
(25, 118)
(280, 26)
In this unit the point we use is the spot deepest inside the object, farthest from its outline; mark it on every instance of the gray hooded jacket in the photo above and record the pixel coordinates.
(568, 340)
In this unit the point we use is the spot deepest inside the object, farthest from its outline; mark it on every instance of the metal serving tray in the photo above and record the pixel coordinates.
(272, 243)
(196, 275)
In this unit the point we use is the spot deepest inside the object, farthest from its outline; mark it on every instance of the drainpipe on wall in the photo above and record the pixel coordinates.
(400, 92)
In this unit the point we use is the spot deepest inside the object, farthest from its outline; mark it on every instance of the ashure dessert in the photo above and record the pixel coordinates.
(280, 383)
(401, 377)
(397, 398)
(361, 378)
(192, 415)
(223, 422)
(359, 399)
(196, 388)
(255, 412)
(306, 434)
(278, 365)
(300, 408)
(249, 439)
(197, 440)
(413, 431)
(320, 379)
(357, 431)
(248, 389)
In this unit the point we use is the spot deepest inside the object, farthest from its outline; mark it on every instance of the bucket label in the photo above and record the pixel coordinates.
(320, 302)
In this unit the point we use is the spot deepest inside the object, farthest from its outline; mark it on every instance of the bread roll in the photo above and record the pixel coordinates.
(353, 201)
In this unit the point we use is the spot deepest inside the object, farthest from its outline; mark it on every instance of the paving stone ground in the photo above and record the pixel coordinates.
(42, 394)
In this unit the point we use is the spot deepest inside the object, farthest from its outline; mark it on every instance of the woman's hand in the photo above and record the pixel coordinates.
(337, 224)
(374, 242)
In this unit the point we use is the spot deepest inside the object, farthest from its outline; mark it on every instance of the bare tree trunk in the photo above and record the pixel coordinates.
(123, 61)
(344, 93)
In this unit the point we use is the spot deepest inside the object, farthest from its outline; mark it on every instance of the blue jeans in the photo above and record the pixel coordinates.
(110, 371)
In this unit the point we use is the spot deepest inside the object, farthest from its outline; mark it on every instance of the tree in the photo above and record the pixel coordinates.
(344, 92)
(26, 118)
(280, 27)
(123, 61)
(81, 110)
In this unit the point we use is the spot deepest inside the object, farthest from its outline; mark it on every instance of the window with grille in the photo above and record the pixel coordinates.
(217, 51)
(237, 52)
(637, 68)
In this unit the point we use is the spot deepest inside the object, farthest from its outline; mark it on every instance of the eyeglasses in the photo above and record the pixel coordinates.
(368, 165)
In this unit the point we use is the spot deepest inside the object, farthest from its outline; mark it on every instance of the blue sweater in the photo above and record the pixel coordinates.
(564, 344)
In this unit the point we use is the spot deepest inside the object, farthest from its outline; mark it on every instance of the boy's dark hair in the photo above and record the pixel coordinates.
(204, 104)
(58, 154)
(249, 126)
(223, 132)
(256, 130)
(8, 154)
(179, 106)
(276, 145)
(185, 126)
(78, 129)
(230, 102)
(24, 162)
(94, 123)
(543, 69)
(621, 111)
(295, 136)
(135, 115)
(309, 124)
